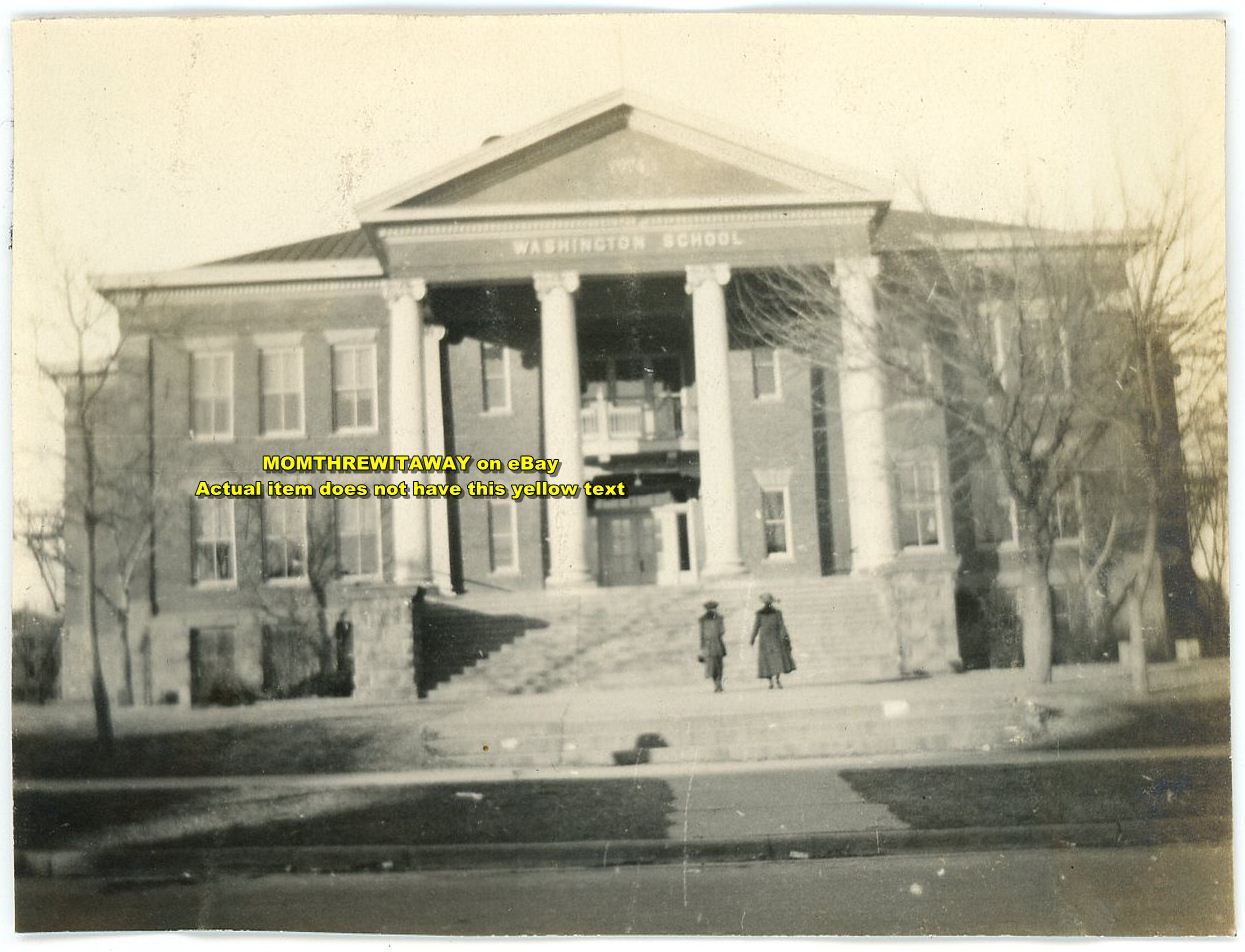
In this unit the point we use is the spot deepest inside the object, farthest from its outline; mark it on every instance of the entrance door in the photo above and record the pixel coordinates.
(628, 547)
(211, 661)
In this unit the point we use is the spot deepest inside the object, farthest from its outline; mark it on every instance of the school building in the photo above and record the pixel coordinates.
(566, 293)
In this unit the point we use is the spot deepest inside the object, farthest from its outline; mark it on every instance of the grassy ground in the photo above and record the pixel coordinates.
(622, 809)
(510, 812)
(951, 797)
(325, 745)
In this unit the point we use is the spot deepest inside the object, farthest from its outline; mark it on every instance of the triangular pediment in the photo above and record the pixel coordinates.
(614, 154)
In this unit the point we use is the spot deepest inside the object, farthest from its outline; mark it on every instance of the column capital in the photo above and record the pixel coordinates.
(862, 266)
(546, 281)
(434, 332)
(698, 274)
(395, 289)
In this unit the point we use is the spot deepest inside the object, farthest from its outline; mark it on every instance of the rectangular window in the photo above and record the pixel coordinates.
(285, 538)
(213, 555)
(774, 517)
(211, 388)
(992, 508)
(918, 503)
(281, 390)
(495, 371)
(354, 387)
(764, 373)
(503, 545)
(358, 537)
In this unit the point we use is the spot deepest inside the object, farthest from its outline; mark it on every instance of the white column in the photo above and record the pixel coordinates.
(718, 496)
(559, 378)
(438, 509)
(862, 402)
(407, 422)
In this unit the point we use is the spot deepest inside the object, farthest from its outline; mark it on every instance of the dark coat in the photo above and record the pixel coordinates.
(712, 647)
(774, 652)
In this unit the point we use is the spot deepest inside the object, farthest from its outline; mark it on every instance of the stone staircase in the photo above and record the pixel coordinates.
(805, 721)
(490, 644)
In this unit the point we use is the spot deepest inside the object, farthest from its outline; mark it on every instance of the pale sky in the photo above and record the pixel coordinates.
(143, 144)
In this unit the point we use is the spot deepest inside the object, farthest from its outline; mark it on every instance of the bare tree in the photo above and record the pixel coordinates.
(997, 331)
(89, 323)
(42, 532)
(317, 562)
(1169, 322)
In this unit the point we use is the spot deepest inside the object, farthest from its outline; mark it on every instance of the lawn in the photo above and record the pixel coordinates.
(965, 796)
(496, 812)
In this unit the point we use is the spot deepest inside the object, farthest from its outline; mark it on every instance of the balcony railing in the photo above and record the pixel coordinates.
(668, 422)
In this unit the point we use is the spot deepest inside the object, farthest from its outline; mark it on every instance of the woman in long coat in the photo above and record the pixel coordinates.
(774, 653)
(712, 647)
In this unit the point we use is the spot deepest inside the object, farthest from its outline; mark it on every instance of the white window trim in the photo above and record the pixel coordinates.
(285, 581)
(514, 568)
(769, 486)
(302, 390)
(195, 354)
(219, 584)
(378, 575)
(776, 396)
(507, 408)
(932, 463)
(374, 427)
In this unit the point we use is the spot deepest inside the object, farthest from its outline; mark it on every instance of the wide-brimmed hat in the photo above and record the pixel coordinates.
(711, 605)
(766, 597)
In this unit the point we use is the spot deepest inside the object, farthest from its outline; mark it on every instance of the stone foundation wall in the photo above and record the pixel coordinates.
(922, 594)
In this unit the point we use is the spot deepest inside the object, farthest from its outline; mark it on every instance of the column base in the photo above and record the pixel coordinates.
(723, 570)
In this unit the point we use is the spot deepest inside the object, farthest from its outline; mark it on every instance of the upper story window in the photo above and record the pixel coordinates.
(211, 395)
(358, 537)
(919, 503)
(495, 373)
(285, 539)
(354, 388)
(281, 390)
(214, 546)
(503, 537)
(765, 380)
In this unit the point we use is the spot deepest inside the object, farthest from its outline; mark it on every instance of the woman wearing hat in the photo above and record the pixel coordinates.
(774, 653)
(712, 647)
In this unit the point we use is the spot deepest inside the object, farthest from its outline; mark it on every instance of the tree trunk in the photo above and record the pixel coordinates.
(1137, 668)
(1035, 620)
(99, 690)
(127, 695)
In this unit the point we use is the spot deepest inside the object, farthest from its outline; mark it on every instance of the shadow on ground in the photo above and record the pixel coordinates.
(545, 811)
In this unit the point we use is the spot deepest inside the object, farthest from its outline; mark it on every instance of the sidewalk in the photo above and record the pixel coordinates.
(648, 813)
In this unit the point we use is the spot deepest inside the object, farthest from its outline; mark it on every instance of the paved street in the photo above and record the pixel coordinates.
(1165, 890)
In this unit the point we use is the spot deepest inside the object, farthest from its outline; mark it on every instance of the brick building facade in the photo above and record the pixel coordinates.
(570, 293)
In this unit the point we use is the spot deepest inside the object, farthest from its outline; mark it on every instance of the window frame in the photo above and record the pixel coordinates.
(270, 505)
(372, 504)
(197, 539)
(355, 345)
(266, 353)
(935, 502)
(775, 395)
(500, 409)
(212, 354)
(788, 551)
(512, 531)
